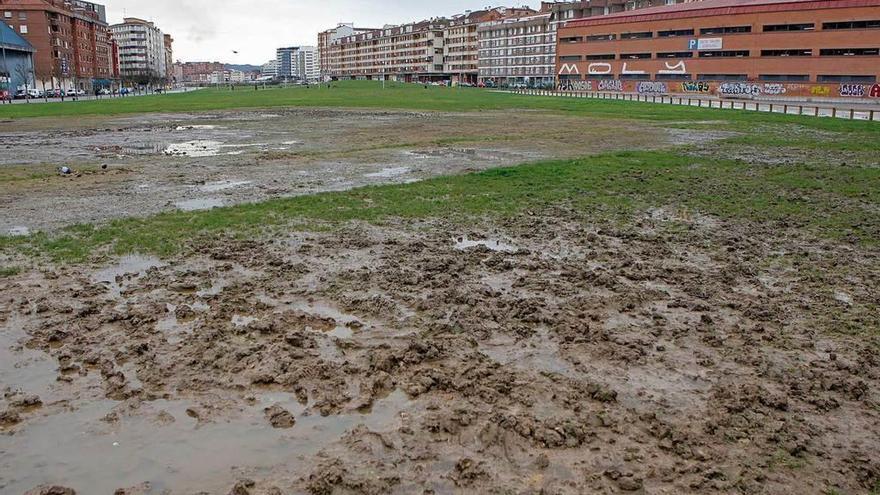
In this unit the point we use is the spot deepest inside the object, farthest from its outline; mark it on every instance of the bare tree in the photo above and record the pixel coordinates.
(44, 73)
(24, 72)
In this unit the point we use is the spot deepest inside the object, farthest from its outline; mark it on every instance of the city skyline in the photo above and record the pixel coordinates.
(204, 33)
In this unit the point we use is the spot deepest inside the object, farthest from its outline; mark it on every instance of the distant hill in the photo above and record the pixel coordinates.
(243, 67)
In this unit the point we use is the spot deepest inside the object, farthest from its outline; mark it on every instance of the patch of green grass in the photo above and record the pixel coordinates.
(782, 459)
(9, 271)
(370, 94)
(609, 187)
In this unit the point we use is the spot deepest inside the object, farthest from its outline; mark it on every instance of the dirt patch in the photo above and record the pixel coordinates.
(543, 354)
(137, 166)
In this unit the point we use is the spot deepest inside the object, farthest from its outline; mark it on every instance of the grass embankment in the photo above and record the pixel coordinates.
(830, 203)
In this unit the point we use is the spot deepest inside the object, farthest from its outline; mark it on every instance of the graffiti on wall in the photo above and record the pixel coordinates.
(610, 85)
(774, 89)
(820, 91)
(739, 89)
(695, 87)
(575, 86)
(652, 87)
(852, 90)
(875, 91)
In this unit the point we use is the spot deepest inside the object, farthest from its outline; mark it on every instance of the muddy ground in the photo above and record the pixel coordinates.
(137, 166)
(673, 353)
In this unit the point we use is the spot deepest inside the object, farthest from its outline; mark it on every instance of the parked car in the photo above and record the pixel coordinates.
(29, 94)
(125, 91)
(104, 91)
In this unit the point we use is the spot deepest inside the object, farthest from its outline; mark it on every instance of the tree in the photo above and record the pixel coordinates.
(44, 73)
(24, 72)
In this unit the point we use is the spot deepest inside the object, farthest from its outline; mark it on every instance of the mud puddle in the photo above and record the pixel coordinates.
(199, 204)
(223, 185)
(387, 173)
(129, 268)
(161, 443)
(18, 231)
(464, 243)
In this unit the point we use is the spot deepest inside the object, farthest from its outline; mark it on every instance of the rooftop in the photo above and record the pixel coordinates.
(718, 7)
(11, 40)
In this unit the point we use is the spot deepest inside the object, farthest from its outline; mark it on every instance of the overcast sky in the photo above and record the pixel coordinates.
(209, 30)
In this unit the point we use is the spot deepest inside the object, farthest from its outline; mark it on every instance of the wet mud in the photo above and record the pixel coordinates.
(544, 354)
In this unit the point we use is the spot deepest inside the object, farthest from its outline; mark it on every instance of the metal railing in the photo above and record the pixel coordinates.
(790, 108)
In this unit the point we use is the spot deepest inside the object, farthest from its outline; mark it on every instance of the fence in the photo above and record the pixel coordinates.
(813, 110)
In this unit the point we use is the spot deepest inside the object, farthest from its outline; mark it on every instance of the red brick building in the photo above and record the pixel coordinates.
(733, 48)
(72, 42)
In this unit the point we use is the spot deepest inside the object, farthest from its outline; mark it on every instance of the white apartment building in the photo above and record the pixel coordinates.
(518, 51)
(308, 66)
(269, 69)
(141, 49)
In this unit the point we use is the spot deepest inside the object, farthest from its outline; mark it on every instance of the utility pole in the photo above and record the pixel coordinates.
(5, 70)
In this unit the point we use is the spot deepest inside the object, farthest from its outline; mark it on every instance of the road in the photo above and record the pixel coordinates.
(93, 97)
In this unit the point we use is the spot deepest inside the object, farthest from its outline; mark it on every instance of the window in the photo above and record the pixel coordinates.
(784, 77)
(852, 25)
(572, 39)
(633, 56)
(636, 36)
(846, 79)
(23, 29)
(609, 56)
(774, 28)
(22, 16)
(726, 30)
(675, 55)
(675, 32)
(849, 52)
(722, 77)
(725, 53)
(570, 58)
(674, 77)
(787, 53)
(602, 37)
(634, 76)
(7, 14)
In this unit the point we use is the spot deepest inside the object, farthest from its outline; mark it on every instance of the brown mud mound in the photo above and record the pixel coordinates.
(543, 356)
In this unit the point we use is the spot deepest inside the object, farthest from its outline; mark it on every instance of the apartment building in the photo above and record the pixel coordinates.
(268, 70)
(518, 50)
(308, 67)
(285, 63)
(461, 48)
(167, 42)
(73, 47)
(731, 48)
(195, 72)
(409, 52)
(326, 38)
(142, 53)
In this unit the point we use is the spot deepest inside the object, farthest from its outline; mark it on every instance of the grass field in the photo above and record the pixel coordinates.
(362, 94)
(830, 201)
